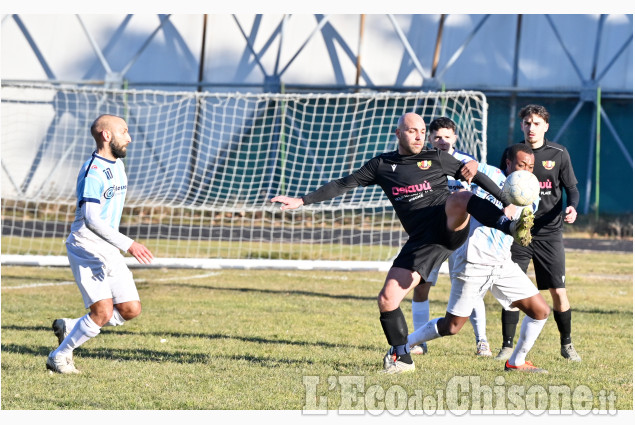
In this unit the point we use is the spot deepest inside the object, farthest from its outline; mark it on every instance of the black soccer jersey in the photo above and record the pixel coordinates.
(554, 172)
(411, 183)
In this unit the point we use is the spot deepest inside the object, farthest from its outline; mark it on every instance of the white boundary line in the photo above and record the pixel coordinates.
(63, 283)
(39, 285)
(211, 263)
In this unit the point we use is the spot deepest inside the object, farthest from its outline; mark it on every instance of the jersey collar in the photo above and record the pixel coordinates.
(103, 159)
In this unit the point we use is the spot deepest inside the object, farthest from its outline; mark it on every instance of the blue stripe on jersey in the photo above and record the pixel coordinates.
(88, 200)
(463, 157)
(89, 164)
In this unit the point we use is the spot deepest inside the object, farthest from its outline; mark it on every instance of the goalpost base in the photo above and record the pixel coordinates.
(204, 167)
(216, 263)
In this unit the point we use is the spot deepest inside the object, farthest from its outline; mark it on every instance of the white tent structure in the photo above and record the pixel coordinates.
(585, 58)
(535, 53)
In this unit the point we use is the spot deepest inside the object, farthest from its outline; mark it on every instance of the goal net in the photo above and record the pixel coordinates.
(202, 168)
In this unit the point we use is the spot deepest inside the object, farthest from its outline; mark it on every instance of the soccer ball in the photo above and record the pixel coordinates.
(521, 188)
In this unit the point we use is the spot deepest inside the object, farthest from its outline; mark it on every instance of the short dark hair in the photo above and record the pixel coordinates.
(442, 122)
(513, 150)
(539, 110)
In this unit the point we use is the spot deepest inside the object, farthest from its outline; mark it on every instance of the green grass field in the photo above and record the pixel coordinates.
(294, 340)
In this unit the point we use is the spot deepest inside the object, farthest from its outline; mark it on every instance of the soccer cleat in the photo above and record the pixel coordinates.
(482, 349)
(60, 364)
(520, 229)
(527, 367)
(61, 329)
(568, 352)
(504, 353)
(419, 349)
(393, 365)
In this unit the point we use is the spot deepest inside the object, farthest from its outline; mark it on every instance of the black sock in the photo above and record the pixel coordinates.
(563, 320)
(509, 320)
(396, 330)
(488, 214)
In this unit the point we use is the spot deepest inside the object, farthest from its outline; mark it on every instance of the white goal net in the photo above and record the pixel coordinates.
(202, 168)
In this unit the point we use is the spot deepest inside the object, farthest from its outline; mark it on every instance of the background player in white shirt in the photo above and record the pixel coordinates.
(484, 263)
(94, 245)
(443, 136)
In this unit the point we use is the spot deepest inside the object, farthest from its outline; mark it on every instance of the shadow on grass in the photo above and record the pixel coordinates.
(213, 336)
(277, 292)
(114, 354)
(155, 356)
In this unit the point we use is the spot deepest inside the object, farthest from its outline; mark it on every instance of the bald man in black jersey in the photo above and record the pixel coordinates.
(437, 222)
(555, 173)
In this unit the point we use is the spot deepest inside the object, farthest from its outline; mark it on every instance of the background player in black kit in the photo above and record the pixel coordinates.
(437, 222)
(554, 172)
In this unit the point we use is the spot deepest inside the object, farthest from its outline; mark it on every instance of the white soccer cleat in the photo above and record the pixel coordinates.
(61, 328)
(61, 364)
(419, 349)
(393, 365)
(504, 354)
(482, 349)
(568, 352)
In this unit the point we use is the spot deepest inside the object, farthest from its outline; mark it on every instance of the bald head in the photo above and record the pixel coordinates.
(104, 123)
(411, 133)
(410, 118)
(111, 135)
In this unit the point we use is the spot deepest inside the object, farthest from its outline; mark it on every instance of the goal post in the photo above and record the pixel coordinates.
(202, 168)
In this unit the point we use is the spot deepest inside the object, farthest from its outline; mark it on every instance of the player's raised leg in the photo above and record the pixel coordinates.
(462, 203)
(62, 327)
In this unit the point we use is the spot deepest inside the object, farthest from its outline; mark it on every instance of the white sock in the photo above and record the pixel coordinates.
(116, 319)
(72, 322)
(424, 333)
(529, 331)
(83, 330)
(420, 313)
(479, 320)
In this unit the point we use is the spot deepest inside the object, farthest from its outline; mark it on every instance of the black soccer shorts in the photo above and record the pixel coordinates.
(428, 249)
(548, 258)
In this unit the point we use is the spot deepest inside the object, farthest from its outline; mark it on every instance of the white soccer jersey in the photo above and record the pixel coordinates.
(485, 245)
(453, 184)
(105, 183)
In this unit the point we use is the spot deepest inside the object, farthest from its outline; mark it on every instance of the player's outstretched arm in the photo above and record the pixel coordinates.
(288, 203)
(141, 253)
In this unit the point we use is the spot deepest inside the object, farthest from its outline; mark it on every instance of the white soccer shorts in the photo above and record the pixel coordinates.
(507, 282)
(101, 276)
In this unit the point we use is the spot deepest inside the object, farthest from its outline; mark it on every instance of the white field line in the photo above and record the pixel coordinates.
(63, 283)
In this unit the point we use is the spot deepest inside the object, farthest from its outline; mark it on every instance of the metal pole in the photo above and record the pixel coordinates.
(196, 185)
(437, 47)
(362, 19)
(598, 118)
(201, 66)
(513, 99)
